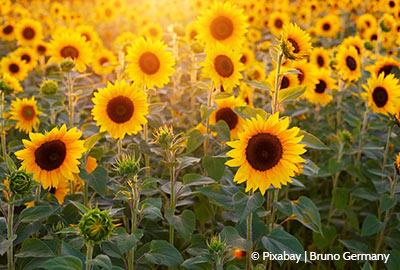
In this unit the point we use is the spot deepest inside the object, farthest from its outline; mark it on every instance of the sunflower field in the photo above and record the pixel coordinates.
(196, 134)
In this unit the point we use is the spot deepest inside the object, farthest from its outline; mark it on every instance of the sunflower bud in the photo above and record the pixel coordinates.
(127, 166)
(164, 137)
(49, 87)
(384, 27)
(215, 245)
(21, 183)
(368, 46)
(67, 65)
(96, 225)
(4, 87)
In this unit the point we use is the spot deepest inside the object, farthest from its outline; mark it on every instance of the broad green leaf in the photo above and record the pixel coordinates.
(259, 85)
(280, 241)
(195, 139)
(102, 261)
(371, 226)
(341, 197)
(312, 142)
(91, 141)
(151, 208)
(82, 208)
(62, 263)
(215, 166)
(305, 211)
(222, 129)
(231, 236)
(325, 239)
(184, 223)
(394, 260)
(37, 213)
(194, 179)
(291, 93)
(355, 246)
(163, 253)
(35, 248)
(10, 163)
(386, 202)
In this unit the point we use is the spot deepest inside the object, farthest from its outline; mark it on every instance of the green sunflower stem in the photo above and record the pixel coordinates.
(3, 128)
(119, 147)
(70, 89)
(275, 100)
(134, 207)
(10, 234)
(387, 145)
(146, 140)
(334, 182)
(249, 238)
(362, 133)
(89, 255)
(172, 203)
(209, 104)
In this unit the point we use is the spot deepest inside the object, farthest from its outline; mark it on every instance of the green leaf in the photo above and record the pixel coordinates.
(102, 261)
(82, 208)
(151, 208)
(35, 248)
(386, 202)
(37, 213)
(163, 253)
(98, 180)
(305, 211)
(394, 260)
(91, 141)
(291, 93)
(195, 139)
(184, 224)
(194, 179)
(367, 266)
(62, 263)
(231, 236)
(222, 128)
(215, 166)
(5, 244)
(355, 246)
(341, 197)
(312, 142)
(10, 163)
(371, 226)
(258, 85)
(280, 241)
(325, 239)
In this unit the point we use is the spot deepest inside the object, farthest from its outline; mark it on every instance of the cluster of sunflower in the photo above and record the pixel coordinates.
(84, 84)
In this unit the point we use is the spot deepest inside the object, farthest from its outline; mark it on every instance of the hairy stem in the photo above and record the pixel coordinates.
(172, 203)
(249, 237)
(10, 234)
(89, 255)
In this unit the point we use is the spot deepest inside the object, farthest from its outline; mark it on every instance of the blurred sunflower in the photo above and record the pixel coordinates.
(89, 34)
(222, 23)
(70, 44)
(277, 20)
(383, 94)
(104, 62)
(320, 57)
(247, 57)
(26, 113)
(7, 30)
(256, 72)
(287, 79)
(267, 153)
(149, 63)
(52, 157)
(60, 190)
(348, 63)
(366, 21)
(307, 72)
(246, 93)
(356, 42)
(295, 42)
(120, 109)
(11, 83)
(385, 65)
(328, 26)
(319, 94)
(153, 31)
(42, 48)
(225, 112)
(14, 67)
(223, 67)
(28, 56)
(191, 32)
(28, 32)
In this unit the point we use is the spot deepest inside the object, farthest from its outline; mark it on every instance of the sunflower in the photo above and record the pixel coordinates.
(247, 57)
(52, 157)
(11, 83)
(295, 42)
(60, 190)
(120, 109)
(14, 67)
(320, 92)
(385, 65)
(356, 42)
(348, 63)
(266, 152)
(222, 23)
(153, 31)
(28, 32)
(191, 32)
(70, 44)
(104, 62)
(366, 21)
(26, 113)
(225, 112)
(256, 72)
(328, 26)
(254, 35)
(391, 6)
(149, 63)
(383, 94)
(41, 48)
(277, 20)
(371, 35)
(320, 57)
(28, 56)
(7, 31)
(223, 67)
(246, 93)
(287, 79)
(89, 34)
(307, 73)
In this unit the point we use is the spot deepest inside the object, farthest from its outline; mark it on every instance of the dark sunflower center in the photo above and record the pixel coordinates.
(296, 47)
(69, 51)
(351, 63)
(120, 109)
(300, 76)
(320, 87)
(392, 4)
(256, 75)
(41, 49)
(380, 96)
(28, 112)
(285, 82)
(320, 61)
(357, 49)
(374, 37)
(278, 23)
(103, 61)
(13, 68)
(8, 29)
(153, 32)
(221, 28)
(28, 33)
(243, 59)
(52, 190)
(50, 155)
(263, 151)
(386, 69)
(223, 66)
(247, 100)
(326, 26)
(193, 34)
(86, 36)
(227, 115)
(108, 12)
(149, 63)
(26, 57)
